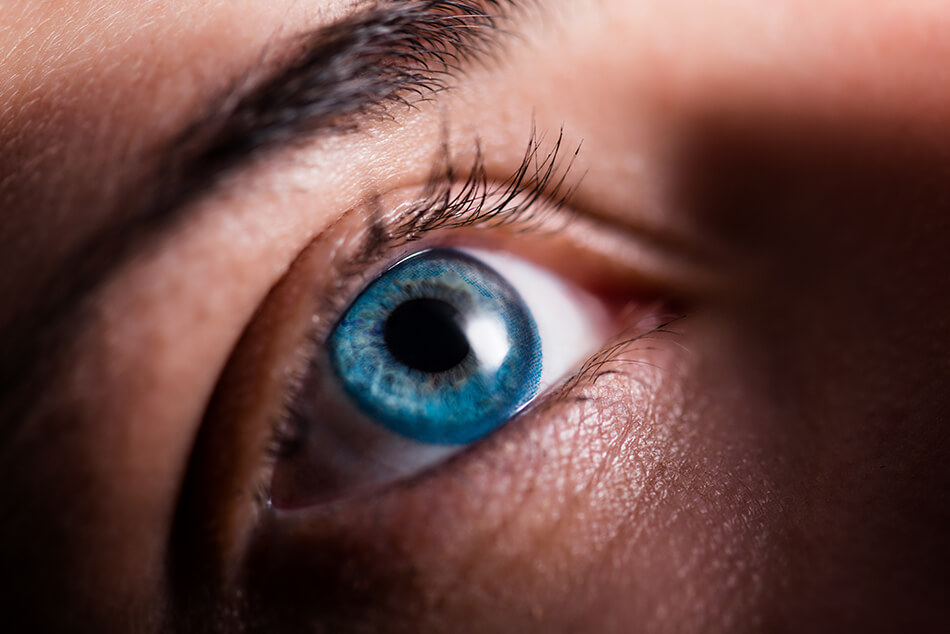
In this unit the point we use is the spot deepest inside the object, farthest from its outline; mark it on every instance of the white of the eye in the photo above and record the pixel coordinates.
(571, 323)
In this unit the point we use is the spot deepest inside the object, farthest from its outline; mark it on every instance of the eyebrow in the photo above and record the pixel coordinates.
(336, 78)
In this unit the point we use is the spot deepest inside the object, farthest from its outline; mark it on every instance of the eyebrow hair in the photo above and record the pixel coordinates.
(337, 77)
(399, 51)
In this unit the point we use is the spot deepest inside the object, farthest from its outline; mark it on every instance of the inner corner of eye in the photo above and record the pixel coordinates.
(440, 350)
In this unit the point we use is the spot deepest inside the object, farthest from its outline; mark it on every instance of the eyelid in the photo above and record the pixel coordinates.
(232, 450)
(532, 201)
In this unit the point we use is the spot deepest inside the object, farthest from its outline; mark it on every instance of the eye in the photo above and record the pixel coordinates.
(442, 349)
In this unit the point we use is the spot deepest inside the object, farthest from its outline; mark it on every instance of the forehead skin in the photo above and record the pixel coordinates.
(90, 91)
(92, 88)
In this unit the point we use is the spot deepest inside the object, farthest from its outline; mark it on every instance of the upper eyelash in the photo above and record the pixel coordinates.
(540, 180)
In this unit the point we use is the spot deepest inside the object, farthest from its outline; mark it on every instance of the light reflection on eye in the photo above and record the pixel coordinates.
(439, 351)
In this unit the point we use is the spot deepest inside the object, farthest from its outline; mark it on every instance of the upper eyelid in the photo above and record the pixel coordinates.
(535, 191)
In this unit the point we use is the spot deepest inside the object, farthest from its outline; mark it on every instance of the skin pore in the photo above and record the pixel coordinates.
(774, 459)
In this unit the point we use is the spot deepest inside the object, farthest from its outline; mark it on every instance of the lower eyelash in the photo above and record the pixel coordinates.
(602, 363)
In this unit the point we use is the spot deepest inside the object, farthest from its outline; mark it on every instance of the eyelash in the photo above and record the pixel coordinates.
(524, 202)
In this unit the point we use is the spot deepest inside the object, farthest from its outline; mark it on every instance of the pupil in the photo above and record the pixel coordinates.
(426, 334)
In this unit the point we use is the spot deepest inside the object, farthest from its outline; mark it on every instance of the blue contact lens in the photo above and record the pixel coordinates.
(439, 349)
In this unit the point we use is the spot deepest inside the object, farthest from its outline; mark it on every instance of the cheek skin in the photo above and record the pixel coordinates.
(643, 505)
(847, 318)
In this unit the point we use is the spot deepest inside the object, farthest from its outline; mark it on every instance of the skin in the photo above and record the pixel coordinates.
(776, 464)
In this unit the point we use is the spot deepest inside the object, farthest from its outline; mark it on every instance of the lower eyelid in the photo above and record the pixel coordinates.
(626, 354)
(490, 498)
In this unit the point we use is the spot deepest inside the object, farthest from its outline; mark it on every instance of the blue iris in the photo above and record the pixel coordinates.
(440, 349)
